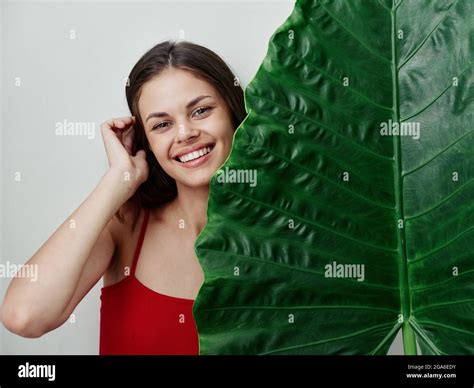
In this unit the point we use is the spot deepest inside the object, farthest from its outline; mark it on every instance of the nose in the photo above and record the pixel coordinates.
(186, 132)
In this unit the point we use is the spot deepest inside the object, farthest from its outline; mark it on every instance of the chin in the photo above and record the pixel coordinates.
(195, 185)
(195, 181)
(198, 177)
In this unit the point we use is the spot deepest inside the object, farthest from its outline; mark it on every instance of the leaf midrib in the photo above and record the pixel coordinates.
(398, 178)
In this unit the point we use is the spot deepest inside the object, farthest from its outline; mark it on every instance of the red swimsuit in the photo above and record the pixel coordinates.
(137, 320)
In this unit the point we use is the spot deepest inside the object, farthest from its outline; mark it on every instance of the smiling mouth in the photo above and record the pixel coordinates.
(195, 155)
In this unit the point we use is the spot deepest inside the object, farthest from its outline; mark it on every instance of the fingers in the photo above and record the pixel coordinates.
(120, 123)
(141, 154)
(120, 127)
(118, 135)
(127, 138)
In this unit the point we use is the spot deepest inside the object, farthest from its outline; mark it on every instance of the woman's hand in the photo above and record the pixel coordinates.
(117, 134)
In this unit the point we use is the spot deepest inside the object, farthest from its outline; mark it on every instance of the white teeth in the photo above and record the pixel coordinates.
(194, 155)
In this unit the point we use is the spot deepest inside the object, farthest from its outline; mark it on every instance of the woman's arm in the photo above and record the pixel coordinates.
(79, 252)
(71, 259)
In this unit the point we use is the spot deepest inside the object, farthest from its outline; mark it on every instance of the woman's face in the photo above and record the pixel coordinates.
(188, 126)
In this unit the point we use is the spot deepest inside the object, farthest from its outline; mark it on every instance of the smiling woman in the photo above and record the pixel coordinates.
(185, 90)
(185, 104)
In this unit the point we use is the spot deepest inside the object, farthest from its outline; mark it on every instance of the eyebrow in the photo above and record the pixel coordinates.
(194, 101)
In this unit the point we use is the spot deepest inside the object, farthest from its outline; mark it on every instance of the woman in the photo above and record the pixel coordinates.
(185, 105)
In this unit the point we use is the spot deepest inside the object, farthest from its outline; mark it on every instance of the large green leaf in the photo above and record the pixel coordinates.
(332, 188)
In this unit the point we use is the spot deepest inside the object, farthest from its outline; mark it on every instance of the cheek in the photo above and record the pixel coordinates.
(160, 150)
(228, 137)
(224, 130)
(227, 143)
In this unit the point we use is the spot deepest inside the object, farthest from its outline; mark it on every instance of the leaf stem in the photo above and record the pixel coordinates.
(409, 342)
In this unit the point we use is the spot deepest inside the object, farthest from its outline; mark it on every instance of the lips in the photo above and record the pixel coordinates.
(195, 163)
(194, 153)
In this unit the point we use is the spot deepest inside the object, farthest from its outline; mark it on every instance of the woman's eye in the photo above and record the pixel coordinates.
(160, 125)
(201, 111)
(165, 124)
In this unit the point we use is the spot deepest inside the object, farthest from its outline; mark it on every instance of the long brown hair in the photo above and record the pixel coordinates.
(205, 64)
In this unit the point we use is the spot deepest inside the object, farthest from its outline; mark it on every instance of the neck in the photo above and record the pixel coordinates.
(191, 206)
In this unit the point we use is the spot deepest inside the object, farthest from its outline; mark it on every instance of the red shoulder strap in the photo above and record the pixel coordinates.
(140, 241)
